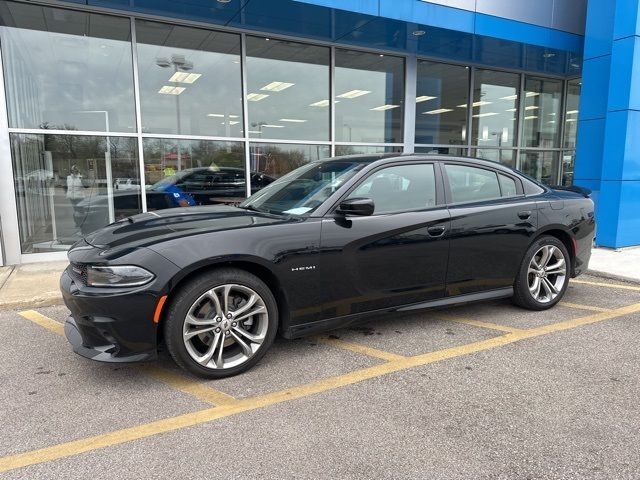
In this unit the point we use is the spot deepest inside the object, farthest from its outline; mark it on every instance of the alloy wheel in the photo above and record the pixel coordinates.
(547, 273)
(225, 326)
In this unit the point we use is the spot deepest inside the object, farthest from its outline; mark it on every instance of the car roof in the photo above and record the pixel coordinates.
(368, 158)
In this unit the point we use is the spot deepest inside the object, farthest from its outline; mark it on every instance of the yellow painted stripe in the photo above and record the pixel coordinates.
(189, 419)
(179, 382)
(477, 323)
(583, 307)
(43, 321)
(608, 285)
(358, 348)
(188, 385)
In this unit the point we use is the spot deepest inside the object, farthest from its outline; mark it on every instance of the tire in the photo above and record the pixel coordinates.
(541, 282)
(195, 351)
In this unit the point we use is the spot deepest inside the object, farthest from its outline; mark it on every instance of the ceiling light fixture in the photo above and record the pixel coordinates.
(256, 97)
(509, 97)
(354, 93)
(438, 111)
(572, 112)
(476, 104)
(488, 114)
(277, 86)
(321, 103)
(184, 77)
(382, 108)
(531, 117)
(531, 107)
(267, 125)
(292, 120)
(424, 98)
(171, 90)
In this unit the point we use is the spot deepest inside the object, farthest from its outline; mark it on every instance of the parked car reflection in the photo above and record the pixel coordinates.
(193, 186)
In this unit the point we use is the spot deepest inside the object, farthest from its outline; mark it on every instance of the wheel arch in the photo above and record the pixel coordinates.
(561, 233)
(251, 265)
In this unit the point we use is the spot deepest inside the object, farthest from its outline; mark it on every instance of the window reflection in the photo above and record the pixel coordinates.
(183, 173)
(364, 149)
(505, 157)
(495, 108)
(451, 151)
(543, 166)
(369, 97)
(66, 186)
(541, 116)
(270, 160)
(287, 84)
(571, 113)
(67, 70)
(440, 89)
(568, 163)
(190, 80)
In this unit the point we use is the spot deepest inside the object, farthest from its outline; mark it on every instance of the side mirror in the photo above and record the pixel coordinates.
(356, 206)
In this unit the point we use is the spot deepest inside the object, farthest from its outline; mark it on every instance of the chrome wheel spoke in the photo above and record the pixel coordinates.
(550, 287)
(546, 273)
(535, 288)
(219, 340)
(557, 268)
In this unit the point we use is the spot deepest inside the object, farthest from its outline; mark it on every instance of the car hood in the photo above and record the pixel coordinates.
(152, 227)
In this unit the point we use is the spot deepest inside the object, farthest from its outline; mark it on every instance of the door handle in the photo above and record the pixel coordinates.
(436, 230)
(525, 214)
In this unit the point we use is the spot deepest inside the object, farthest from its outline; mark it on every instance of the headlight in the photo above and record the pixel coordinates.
(117, 276)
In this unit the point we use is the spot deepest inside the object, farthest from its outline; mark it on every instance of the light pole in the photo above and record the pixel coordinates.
(178, 62)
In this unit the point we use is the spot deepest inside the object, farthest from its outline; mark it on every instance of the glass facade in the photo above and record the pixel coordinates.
(102, 108)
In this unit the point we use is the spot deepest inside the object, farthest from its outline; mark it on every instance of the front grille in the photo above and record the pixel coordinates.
(78, 272)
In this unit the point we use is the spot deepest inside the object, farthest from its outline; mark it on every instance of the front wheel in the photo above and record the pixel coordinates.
(543, 277)
(221, 323)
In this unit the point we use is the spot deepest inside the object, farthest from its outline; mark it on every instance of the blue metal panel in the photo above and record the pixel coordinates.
(595, 85)
(627, 19)
(589, 150)
(619, 214)
(622, 146)
(525, 33)
(599, 28)
(625, 62)
(429, 14)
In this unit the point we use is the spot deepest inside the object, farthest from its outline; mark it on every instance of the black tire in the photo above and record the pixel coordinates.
(521, 293)
(188, 294)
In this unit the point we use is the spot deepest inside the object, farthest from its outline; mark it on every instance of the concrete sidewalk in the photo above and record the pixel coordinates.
(36, 284)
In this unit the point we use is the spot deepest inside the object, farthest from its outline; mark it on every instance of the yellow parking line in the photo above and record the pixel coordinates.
(583, 307)
(477, 323)
(203, 416)
(174, 380)
(356, 347)
(188, 385)
(43, 321)
(609, 285)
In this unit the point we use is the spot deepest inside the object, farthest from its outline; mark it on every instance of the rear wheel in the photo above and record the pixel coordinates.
(544, 275)
(221, 323)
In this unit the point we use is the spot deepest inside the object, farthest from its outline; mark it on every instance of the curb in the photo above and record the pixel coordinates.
(612, 276)
(32, 303)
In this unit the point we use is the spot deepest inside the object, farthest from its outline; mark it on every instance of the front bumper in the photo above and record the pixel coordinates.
(115, 324)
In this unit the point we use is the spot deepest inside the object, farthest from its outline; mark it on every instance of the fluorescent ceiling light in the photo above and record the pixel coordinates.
(531, 107)
(353, 93)
(256, 97)
(531, 117)
(185, 77)
(266, 125)
(218, 115)
(551, 121)
(509, 97)
(439, 110)
(510, 110)
(233, 122)
(571, 120)
(277, 86)
(254, 131)
(571, 112)
(424, 98)
(488, 114)
(382, 108)
(171, 90)
(476, 104)
(292, 120)
(321, 103)
(532, 94)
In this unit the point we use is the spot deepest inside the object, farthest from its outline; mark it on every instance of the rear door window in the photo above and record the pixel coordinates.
(471, 184)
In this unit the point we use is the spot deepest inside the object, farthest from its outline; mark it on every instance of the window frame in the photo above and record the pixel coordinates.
(501, 198)
(439, 187)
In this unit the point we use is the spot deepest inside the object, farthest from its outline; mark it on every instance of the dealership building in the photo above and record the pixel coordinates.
(113, 107)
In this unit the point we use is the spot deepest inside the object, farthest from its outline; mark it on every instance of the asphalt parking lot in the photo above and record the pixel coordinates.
(477, 391)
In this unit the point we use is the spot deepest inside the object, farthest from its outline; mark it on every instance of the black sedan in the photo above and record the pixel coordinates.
(317, 249)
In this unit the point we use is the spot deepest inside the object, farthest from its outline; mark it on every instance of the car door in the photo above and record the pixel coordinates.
(492, 222)
(396, 256)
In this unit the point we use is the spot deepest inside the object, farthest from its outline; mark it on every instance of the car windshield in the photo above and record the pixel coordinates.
(304, 189)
